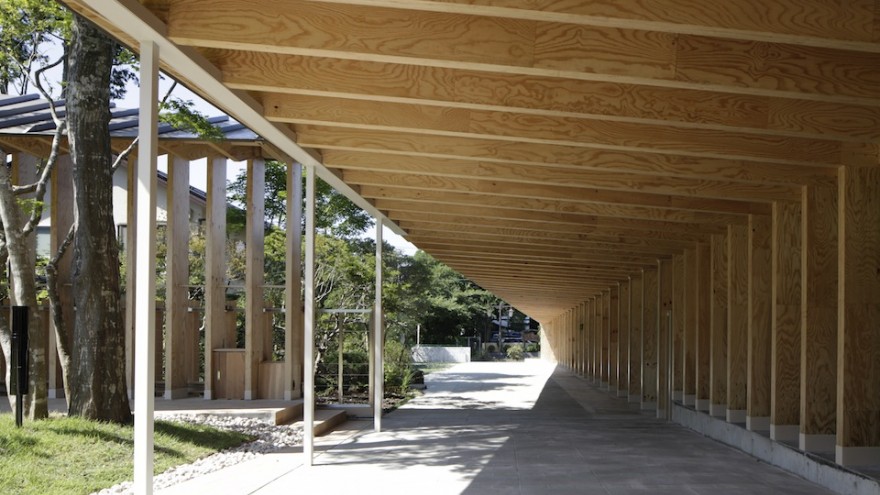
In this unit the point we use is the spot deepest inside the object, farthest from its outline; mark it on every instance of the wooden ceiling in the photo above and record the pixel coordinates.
(547, 150)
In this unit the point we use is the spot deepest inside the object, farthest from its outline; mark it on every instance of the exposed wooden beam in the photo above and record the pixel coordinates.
(568, 130)
(527, 46)
(598, 209)
(582, 177)
(609, 230)
(552, 191)
(822, 23)
(479, 149)
(551, 96)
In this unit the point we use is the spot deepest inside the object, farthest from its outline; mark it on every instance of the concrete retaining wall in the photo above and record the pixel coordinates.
(432, 354)
(807, 466)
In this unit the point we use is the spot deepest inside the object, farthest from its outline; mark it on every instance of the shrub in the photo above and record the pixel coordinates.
(515, 352)
(533, 347)
(399, 370)
(491, 348)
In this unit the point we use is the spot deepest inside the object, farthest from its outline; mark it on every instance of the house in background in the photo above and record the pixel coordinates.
(26, 131)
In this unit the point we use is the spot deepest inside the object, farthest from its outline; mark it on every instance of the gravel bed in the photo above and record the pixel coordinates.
(270, 438)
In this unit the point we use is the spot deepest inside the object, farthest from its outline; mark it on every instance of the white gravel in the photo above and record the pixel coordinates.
(270, 438)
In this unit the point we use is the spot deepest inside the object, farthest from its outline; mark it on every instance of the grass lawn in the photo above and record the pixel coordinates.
(72, 455)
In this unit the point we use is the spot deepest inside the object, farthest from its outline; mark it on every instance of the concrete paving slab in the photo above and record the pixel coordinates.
(511, 428)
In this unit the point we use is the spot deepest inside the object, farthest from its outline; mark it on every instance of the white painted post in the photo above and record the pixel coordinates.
(145, 266)
(293, 323)
(378, 338)
(309, 337)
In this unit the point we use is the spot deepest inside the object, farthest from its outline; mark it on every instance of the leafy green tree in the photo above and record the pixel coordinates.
(335, 214)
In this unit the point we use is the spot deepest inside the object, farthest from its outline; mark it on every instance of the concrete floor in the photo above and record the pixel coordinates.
(511, 428)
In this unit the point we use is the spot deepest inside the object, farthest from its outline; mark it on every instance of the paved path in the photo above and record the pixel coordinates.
(509, 428)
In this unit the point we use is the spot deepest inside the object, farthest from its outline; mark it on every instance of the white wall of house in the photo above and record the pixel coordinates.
(120, 208)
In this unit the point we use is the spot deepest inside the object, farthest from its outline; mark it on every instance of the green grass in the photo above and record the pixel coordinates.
(76, 456)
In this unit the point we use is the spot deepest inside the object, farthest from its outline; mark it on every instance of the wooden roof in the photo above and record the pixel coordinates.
(545, 150)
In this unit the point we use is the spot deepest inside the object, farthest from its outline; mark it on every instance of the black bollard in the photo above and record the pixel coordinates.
(20, 359)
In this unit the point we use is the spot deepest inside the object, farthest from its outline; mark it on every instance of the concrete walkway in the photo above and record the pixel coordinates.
(509, 428)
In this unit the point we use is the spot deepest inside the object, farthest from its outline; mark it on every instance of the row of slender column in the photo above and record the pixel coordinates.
(772, 324)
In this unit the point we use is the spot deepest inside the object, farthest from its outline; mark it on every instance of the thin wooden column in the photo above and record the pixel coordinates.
(703, 275)
(216, 336)
(603, 336)
(613, 337)
(718, 363)
(737, 322)
(293, 305)
(635, 339)
(61, 215)
(580, 339)
(665, 316)
(819, 320)
(623, 339)
(785, 349)
(759, 345)
(595, 340)
(131, 276)
(379, 335)
(177, 277)
(858, 358)
(258, 347)
(649, 338)
(689, 344)
(678, 317)
(145, 267)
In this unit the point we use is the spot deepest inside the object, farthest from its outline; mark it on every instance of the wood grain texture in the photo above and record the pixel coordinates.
(814, 21)
(416, 236)
(777, 67)
(216, 337)
(605, 335)
(690, 310)
(737, 317)
(551, 216)
(482, 149)
(819, 272)
(529, 174)
(258, 345)
(613, 336)
(664, 326)
(785, 365)
(650, 314)
(704, 289)
(527, 234)
(521, 45)
(459, 88)
(547, 191)
(585, 229)
(623, 326)
(858, 404)
(551, 129)
(760, 318)
(177, 277)
(635, 336)
(678, 322)
(718, 311)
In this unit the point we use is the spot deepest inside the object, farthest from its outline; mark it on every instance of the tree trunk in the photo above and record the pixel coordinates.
(97, 381)
(24, 293)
